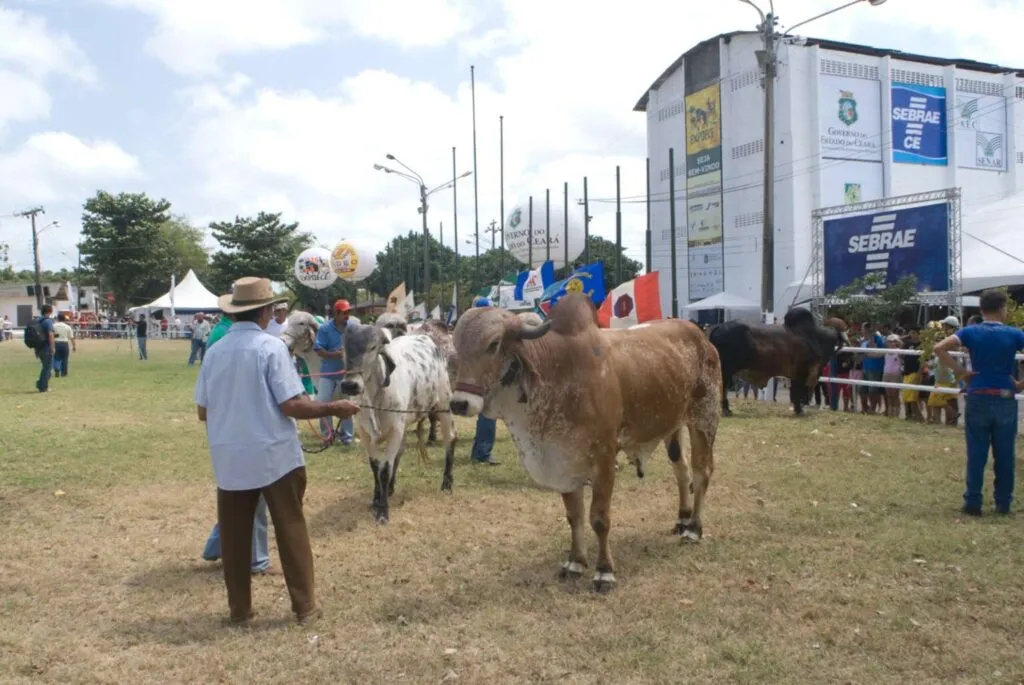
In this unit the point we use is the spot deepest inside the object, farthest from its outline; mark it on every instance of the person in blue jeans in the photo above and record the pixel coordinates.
(990, 420)
(330, 347)
(260, 545)
(486, 428)
(44, 353)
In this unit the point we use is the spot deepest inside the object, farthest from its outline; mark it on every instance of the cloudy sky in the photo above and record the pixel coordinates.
(230, 107)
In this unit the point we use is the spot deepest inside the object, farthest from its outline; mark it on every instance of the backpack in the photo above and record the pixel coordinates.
(35, 336)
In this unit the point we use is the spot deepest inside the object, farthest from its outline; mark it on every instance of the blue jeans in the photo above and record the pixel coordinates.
(326, 389)
(142, 348)
(833, 389)
(46, 358)
(197, 351)
(483, 443)
(260, 546)
(990, 421)
(61, 356)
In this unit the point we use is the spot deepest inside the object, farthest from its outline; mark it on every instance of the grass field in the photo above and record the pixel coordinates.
(833, 553)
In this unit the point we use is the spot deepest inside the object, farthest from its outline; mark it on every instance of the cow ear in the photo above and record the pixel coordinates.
(389, 367)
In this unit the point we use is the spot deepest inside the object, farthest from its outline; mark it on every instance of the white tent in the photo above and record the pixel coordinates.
(722, 301)
(188, 296)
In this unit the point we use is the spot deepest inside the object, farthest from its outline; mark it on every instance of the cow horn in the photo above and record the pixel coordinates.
(527, 332)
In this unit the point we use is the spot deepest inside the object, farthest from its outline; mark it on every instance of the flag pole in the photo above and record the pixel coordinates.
(618, 225)
(501, 167)
(455, 226)
(565, 226)
(547, 214)
(672, 227)
(476, 198)
(586, 224)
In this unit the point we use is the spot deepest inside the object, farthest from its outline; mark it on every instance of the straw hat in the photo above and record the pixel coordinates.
(249, 293)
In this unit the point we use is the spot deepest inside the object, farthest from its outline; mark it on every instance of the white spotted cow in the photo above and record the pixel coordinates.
(396, 382)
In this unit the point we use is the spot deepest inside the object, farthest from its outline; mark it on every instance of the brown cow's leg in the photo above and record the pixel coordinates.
(574, 514)
(680, 465)
(421, 446)
(702, 461)
(601, 522)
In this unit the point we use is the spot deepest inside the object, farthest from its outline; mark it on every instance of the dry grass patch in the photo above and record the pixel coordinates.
(833, 553)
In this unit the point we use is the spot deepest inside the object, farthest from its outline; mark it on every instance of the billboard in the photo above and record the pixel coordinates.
(981, 131)
(918, 124)
(850, 118)
(898, 243)
(704, 237)
(847, 183)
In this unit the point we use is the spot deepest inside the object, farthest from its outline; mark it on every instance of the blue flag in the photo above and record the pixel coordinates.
(588, 280)
(532, 282)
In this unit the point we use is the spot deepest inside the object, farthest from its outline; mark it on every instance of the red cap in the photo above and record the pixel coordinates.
(342, 306)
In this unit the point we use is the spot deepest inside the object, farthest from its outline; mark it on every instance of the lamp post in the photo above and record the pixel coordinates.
(411, 175)
(767, 59)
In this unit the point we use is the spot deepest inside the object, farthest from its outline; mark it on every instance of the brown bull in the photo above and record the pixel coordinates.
(573, 396)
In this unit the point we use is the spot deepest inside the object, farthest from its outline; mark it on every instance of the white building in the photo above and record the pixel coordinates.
(18, 300)
(837, 106)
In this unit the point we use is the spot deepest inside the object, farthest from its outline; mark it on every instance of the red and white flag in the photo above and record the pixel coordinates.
(631, 303)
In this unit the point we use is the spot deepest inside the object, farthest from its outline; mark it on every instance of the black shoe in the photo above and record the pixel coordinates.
(971, 511)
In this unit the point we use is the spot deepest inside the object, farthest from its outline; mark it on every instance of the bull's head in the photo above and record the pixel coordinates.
(300, 332)
(395, 323)
(489, 356)
(366, 358)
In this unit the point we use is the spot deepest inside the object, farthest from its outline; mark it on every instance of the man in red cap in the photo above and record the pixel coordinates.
(330, 347)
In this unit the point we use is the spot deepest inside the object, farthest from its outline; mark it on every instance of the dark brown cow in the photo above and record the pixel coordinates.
(757, 352)
(573, 396)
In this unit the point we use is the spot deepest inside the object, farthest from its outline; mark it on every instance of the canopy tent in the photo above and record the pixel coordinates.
(991, 247)
(189, 296)
(722, 301)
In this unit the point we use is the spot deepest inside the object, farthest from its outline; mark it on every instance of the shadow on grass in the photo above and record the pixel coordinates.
(180, 631)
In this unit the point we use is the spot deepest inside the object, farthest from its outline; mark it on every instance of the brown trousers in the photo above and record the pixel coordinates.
(235, 512)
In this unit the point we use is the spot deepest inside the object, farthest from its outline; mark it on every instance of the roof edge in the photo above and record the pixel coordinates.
(838, 46)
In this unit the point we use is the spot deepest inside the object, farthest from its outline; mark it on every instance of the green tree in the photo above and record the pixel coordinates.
(864, 300)
(122, 244)
(255, 246)
(182, 245)
(602, 250)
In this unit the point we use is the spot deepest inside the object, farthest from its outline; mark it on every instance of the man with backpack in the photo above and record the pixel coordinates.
(39, 337)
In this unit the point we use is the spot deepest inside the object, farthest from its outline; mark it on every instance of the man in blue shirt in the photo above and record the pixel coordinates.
(991, 410)
(330, 347)
(45, 351)
(249, 396)
(873, 365)
(486, 429)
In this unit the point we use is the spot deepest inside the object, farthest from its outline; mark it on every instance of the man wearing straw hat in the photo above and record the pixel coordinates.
(249, 395)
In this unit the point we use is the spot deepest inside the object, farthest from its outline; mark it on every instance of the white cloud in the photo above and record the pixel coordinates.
(191, 35)
(57, 170)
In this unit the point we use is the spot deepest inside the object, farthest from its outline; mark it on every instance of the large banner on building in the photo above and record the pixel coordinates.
(704, 237)
(850, 116)
(981, 131)
(897, 243)
(918, 124)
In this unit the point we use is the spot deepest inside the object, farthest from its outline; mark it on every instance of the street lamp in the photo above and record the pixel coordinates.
(424, 194)
(767, 59)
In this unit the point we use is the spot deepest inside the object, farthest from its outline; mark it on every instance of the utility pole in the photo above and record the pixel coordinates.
(492, 228)
(766, 58)
(31, 213)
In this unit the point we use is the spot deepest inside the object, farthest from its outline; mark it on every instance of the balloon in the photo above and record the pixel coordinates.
(352, 264)
(517, 234)
(313, 268)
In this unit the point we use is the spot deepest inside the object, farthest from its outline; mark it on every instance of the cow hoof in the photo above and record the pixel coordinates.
(691, 531)
(727, 412)
(571, 571)
(603, 583)
(446, 484)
